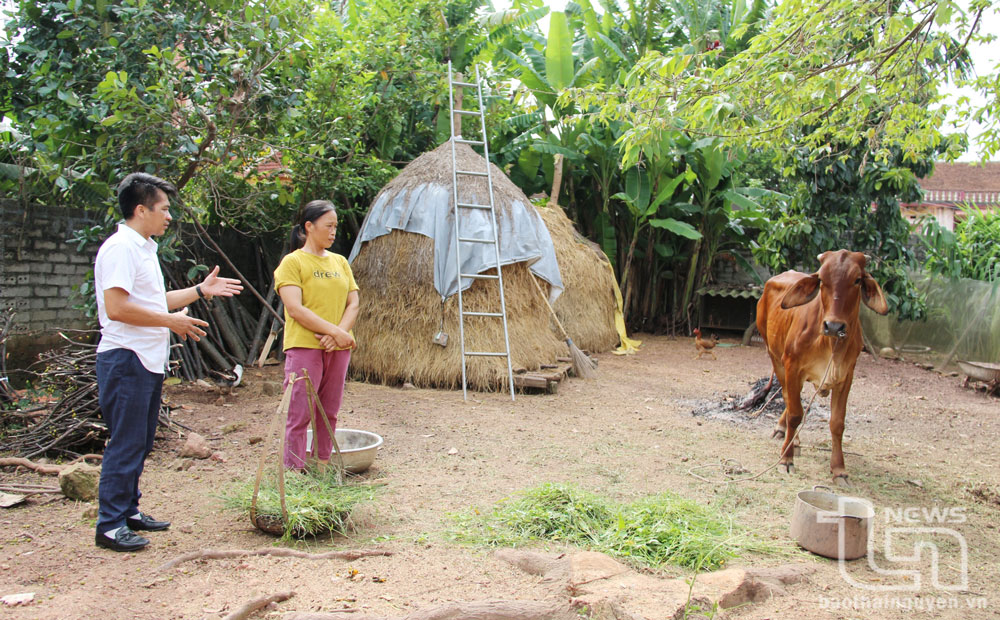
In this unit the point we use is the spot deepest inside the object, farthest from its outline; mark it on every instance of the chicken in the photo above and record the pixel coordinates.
(704, 346)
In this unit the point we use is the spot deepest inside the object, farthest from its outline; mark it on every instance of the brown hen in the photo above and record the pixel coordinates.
(704, 346)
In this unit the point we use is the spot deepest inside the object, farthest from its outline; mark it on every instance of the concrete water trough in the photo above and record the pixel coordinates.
(980, 371)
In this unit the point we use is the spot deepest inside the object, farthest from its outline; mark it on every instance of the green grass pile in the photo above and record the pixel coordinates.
(317, 502)
(657, 530)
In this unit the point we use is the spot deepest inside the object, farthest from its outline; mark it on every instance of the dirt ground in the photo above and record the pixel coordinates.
(916, 440)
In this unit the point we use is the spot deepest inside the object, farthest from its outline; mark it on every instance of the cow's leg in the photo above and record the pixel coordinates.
(791, 389)
(779, 428)
(838, 412)
(779, 376)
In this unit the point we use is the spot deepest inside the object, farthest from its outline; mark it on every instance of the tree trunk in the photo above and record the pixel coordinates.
(456, 119)
(557, 175)
(689, 284)
(627, 271)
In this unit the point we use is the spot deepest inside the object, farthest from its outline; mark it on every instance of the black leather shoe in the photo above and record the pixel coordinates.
(124, 540)
(147, 523)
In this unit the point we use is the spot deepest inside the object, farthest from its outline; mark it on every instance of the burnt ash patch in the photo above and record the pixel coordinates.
(759, 410)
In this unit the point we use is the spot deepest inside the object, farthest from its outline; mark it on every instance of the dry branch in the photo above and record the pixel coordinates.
(258, 603)
(225, 257)
(28, 489)
(219, 554)
(44, 468)
(40, 468)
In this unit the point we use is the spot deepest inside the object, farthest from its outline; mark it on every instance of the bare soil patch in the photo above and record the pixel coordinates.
(914, 439)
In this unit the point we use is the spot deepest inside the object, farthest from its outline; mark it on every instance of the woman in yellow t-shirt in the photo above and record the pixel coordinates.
(321, 304)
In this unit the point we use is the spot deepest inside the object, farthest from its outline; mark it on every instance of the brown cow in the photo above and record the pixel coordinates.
(808, 319)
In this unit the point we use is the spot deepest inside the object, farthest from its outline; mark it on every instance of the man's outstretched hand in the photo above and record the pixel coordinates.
(184, 325)
(214, 286)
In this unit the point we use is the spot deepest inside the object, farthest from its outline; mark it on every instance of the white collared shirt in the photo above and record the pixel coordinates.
(127, 260)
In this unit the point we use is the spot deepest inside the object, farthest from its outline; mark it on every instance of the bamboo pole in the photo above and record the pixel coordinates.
(228, 330)
(259, 331)
(213, 354)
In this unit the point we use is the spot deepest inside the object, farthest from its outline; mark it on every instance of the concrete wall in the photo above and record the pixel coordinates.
(38, 269)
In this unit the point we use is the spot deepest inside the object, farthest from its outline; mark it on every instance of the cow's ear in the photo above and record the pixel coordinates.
(871, 294)
(802, 292)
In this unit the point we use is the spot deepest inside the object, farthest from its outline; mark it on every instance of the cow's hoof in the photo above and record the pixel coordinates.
(841, 480)
(796, 449)
(788, 468)
(779, 433)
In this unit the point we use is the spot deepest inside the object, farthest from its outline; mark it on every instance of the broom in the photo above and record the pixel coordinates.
(583, 366)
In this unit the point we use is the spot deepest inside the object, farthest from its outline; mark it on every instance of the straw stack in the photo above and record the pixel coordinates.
(586, 307)
(401, 310)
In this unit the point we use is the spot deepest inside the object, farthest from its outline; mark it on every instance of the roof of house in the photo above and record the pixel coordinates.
(959, 183)
(964, 176)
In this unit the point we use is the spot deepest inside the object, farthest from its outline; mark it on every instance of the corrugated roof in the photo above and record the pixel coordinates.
(730, 291)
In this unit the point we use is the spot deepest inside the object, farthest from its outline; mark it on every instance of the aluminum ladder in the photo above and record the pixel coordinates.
(466, 207)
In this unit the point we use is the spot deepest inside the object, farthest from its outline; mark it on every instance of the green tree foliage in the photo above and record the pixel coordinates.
(844, 95)
(846, 203)
(377, 82)
(971, 251)
(822, 72)
(178, 88)
(670, 117)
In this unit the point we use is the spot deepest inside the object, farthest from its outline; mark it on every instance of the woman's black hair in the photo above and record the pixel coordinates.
(313, 210)
(140, 188)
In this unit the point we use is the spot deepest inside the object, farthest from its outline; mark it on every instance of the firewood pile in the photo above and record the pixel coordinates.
(60, 416)
(69, 423)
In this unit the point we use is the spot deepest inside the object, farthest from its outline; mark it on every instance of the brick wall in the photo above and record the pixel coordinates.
(38, 269)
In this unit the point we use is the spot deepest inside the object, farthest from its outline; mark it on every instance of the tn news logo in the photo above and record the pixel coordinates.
(924, 524)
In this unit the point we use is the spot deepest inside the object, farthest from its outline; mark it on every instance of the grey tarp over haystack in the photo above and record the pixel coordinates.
(420, 201)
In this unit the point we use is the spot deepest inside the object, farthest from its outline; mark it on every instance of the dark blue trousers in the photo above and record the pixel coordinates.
(129, 396)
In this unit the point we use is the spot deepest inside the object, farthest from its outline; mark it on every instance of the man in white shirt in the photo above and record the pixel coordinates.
(134, 310)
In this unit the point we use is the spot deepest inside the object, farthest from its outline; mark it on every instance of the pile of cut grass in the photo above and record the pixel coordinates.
(318, 503)
(657, 530)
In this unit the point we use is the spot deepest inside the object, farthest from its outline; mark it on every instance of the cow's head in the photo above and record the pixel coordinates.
(841, 283)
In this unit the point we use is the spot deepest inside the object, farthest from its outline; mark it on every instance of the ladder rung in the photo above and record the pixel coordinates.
(468, 112)
(468, 84)
(466, 205)
(485, 354)
(471, 173)
(480, 276)
(483, 313)
(472, 142)
(472, 240)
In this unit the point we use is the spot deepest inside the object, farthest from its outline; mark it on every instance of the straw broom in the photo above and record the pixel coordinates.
(583, 366)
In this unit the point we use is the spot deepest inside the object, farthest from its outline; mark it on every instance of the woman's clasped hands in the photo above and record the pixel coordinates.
(338, 339)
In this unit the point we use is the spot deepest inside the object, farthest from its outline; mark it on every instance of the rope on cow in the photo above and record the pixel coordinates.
(734, 465)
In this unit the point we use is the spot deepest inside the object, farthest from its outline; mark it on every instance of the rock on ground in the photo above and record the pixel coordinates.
(196, 447)
(79, 481)
(611, 589)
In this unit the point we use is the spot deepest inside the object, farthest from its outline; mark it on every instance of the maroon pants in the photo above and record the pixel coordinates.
(327, 371)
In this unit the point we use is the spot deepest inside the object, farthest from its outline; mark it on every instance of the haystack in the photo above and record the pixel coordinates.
(586, 307)
(404, 264)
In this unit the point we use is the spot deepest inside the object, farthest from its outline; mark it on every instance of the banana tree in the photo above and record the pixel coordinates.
(720, 210)
(639, 185)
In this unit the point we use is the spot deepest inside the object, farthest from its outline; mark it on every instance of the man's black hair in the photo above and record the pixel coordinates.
(140, 188)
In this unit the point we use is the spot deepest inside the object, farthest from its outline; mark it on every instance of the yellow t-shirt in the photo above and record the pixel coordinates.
(325, 282)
